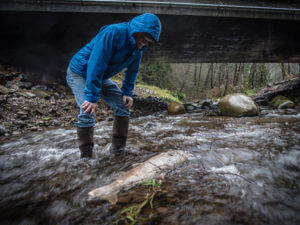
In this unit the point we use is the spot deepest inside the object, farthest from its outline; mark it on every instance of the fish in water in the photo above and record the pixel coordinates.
(154, 167)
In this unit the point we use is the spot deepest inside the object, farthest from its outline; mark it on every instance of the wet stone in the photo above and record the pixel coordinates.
(22, 115)
(26, 85)
(4, 90)
(33, 128)
(175, 108)
(16, 132)
(41, 94)
(9, 77)
(19, 123)
(56, 122)
(39, 111)
(3, 99)
(26, 94)
(6, 124)
(2, 130)
(23, 77)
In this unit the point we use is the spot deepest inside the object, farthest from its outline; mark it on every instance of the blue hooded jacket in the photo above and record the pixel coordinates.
(112, 50)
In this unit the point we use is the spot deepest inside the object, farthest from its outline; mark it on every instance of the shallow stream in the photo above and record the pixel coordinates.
(239, 171)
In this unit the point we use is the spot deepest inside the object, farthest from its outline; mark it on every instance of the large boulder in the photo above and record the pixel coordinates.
(281, 102)
(175, 108)
(238, 105)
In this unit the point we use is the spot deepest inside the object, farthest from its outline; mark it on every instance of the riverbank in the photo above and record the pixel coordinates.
(27, 106)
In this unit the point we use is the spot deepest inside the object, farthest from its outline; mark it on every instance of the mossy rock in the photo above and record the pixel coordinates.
(282, 102)
(175, 108)
(238, 105)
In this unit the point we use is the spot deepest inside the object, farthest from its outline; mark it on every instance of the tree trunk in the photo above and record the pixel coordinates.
(199, 78)
(235, 74)
(248, 77)
(223, 72)
(283, 71)
(207, 79)
(226, 80)
(212, 77)
(219, 78)
(252, 76)
(183, 81)
(195, 76)
(242, 76)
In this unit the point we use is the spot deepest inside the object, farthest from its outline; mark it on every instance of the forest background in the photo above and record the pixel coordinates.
(192, 82)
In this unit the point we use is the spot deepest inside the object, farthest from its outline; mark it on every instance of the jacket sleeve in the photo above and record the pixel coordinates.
(130, 76)
(98, 62)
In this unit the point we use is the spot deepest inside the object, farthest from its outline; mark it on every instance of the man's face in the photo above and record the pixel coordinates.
(142, 39)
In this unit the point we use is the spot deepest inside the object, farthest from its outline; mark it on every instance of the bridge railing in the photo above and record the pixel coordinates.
(234, 8)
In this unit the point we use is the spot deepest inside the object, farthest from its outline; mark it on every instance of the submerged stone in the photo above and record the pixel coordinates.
(238, 105)
(282, 102)
(175, 108)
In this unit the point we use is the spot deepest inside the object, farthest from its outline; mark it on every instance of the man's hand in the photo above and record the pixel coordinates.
(89, 107)
(128, 101)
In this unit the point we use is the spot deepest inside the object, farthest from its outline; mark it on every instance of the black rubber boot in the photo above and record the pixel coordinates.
(120, 131)
(85, 141)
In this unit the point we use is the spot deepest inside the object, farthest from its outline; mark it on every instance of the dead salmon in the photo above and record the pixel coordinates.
(152, 168)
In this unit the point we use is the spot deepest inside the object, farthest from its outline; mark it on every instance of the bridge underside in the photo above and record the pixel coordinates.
(49, 39)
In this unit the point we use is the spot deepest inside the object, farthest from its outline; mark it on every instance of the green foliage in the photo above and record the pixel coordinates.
(251, 92)
(158, 92)
(131, 214)
(153, 183)
(155, 74)
(180, 95)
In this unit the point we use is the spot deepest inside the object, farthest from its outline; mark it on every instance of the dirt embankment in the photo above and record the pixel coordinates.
(27, 106)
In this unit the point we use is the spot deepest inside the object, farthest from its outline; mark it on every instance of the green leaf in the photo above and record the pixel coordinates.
(130, 217)
(127, 209)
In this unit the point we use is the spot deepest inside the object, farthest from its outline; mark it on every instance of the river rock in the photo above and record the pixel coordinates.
(175, 108)
(206, 104)
(26, 85)
(19, 123)
(3, 99)
(9, 76)
(282, 102)
(4, 90)
(56, 122)
(190, 106)
(41, 94)
(2, 130)
(26, 94)
(238, 105)
(22, 115)
(23, 77)
(33, 128)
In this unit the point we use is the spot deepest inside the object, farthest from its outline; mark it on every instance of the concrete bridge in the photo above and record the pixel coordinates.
(45, 33)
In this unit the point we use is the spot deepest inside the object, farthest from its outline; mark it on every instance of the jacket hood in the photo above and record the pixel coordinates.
(148, 23)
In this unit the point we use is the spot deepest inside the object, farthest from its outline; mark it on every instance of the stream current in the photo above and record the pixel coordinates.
(239, 171)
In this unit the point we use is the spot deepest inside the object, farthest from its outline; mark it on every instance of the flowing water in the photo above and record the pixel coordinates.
(239, 171)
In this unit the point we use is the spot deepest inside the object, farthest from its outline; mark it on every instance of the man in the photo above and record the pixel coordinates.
(114, 48)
